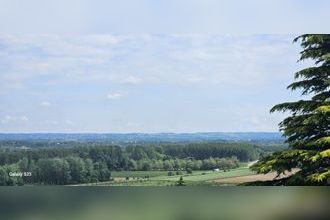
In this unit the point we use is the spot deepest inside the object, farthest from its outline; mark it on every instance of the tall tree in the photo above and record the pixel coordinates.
(307, 129)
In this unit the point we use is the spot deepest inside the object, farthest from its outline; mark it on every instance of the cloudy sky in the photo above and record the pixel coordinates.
(145, 83)
(109, 66)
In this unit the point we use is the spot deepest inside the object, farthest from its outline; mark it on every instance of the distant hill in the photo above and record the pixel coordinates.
(147, 137)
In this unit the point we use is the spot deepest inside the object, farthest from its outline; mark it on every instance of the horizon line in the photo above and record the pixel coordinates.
(140, 132)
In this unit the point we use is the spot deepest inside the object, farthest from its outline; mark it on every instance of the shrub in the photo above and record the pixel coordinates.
(178, 172)
(189, 170)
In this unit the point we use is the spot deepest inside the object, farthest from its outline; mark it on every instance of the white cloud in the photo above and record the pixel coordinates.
(166, 59)
(69, 122)
(114, 96)
(132, 80)
(45, 104)
(23, 118)
(103, 39)
(51, 122)
(13, 119)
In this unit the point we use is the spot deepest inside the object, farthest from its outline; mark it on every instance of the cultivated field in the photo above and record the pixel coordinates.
(161, 178)
(197, 178)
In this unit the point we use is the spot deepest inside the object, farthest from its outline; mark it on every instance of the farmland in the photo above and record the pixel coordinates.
(232, 177)
(161, 178)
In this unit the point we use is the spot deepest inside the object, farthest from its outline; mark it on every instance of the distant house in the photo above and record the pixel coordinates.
(23, 147)
(190, 158)
(216, 170)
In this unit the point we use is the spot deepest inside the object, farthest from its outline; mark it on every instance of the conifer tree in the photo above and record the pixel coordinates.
(307, 129)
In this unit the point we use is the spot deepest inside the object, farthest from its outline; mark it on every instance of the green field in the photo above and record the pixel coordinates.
(139, 174)
(160, 178)
(199, 176)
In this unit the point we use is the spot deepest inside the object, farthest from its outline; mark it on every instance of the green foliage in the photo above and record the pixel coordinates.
(102, 172)
(54, 171)
(78, 170)
(307, 129)
(170, 173)
(178, 172)
(189, 170)
(75, 165)
(4, 177)
(200, 151)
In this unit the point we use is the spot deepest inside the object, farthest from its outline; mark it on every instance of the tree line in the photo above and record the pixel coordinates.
(94, 164)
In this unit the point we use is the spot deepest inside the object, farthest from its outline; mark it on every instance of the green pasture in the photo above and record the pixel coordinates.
(199, 176)
(136, 174)
(160, 178)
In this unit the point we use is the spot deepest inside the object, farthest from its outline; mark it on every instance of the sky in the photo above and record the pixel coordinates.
(164, 16)
(148, 66)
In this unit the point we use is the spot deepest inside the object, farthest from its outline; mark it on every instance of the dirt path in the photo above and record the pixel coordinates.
(252, 178)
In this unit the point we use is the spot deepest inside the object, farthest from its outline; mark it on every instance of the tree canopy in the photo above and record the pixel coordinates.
(307, 129)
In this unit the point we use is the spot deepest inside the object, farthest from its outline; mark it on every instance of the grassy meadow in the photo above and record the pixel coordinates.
(161, 178)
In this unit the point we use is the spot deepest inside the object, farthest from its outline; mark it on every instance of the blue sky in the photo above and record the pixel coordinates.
(144, 83)
(164, 16)
(149, 66)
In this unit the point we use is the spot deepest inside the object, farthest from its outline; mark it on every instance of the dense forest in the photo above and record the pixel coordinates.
(41, 164)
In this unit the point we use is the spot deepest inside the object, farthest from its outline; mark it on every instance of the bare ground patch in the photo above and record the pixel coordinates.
(252, 178)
